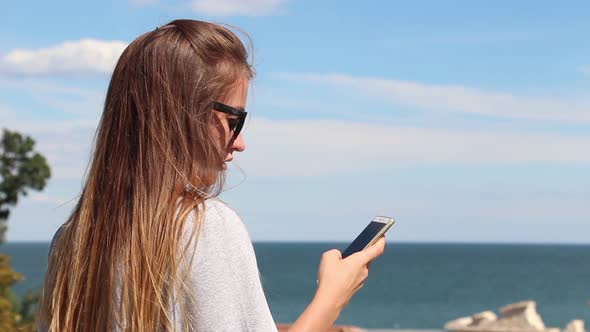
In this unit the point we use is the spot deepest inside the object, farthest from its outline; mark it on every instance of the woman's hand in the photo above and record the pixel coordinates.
(339, 279)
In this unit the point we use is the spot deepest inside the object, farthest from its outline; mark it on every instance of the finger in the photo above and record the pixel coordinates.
(375, 250)
(334, 254)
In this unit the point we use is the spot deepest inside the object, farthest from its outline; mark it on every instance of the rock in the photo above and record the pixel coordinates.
(479, 319)
(522, 315)
(484, 318)
(516, 317)
(576, 325)
(458, 324)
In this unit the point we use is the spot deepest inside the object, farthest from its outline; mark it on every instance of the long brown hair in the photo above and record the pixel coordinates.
(117, 260)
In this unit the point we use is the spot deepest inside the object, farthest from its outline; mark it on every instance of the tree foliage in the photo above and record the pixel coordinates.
(21, 169)
(14, 316)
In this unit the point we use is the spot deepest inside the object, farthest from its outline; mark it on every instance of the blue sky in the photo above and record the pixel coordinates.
(467, 121)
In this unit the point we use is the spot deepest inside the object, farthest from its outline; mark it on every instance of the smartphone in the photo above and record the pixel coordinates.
(374, 230)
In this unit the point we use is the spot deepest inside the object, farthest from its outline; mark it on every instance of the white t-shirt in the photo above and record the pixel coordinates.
(224, 277)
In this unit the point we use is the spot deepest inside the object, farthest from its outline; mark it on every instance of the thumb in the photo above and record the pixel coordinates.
(333, 254)
(374, 250)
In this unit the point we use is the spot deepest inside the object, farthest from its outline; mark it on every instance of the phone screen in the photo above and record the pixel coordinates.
(364, 238)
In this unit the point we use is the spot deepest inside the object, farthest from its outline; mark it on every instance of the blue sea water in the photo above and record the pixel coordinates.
(413, 286)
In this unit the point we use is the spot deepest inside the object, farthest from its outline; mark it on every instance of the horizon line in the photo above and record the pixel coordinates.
(390, 242)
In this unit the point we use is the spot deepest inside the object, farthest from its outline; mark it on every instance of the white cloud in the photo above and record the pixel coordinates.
(455, 98)
(224, 8)
(65, 143)
(291, 149)
(80, 57)
(584, 70)
(141, 3)
(314, 147)
(237, 7)
(63, 99)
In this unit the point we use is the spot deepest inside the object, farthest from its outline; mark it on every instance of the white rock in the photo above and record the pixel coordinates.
(458, 324)
(522, 315)
(484, 318)
(576, 325)
(516, 317)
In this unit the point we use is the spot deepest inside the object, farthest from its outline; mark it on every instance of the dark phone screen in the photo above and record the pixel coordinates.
(363, 239)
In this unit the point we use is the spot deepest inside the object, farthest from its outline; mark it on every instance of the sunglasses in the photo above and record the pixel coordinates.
(234, 124)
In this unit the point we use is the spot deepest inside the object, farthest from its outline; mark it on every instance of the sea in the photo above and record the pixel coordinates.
(412, 286)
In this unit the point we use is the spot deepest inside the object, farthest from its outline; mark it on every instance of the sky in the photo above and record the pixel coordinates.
(466, 121)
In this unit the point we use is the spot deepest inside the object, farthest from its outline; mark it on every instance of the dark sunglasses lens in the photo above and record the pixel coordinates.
(239, 125)
(234, 124)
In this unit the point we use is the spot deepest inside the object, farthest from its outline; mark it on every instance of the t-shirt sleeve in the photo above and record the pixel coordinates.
(223, 274)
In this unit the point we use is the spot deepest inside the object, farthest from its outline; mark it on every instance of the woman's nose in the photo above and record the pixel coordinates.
(239, 144)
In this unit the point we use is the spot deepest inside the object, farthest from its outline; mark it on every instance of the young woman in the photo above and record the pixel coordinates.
(148, 246)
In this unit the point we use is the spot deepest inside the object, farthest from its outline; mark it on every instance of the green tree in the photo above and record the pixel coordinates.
(21, 169)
